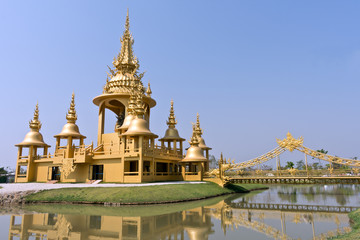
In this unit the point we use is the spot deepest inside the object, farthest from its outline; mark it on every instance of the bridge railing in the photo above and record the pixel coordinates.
(292, 173)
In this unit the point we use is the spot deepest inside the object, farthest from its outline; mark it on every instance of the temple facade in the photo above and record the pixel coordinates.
(127, 155)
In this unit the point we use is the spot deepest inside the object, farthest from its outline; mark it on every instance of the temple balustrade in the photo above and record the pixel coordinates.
(161, 152)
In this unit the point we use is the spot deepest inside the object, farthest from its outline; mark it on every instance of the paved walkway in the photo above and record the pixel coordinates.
(19, 187)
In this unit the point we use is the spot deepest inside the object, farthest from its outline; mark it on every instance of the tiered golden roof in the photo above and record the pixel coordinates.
(172, 133)
(139, 126)
(34, 137)
(125, 76)
(194, 153)
(199, 133)
(70, 128)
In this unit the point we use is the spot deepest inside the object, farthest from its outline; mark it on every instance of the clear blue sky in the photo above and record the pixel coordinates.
(252, 69)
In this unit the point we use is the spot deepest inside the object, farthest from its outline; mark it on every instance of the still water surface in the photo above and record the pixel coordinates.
(282, 212)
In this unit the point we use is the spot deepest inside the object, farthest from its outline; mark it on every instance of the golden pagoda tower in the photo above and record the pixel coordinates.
(199, 132)
(172, 137)
(33, 140)
(140, 136)
(124, 79)
(193, 163)
(70, 132)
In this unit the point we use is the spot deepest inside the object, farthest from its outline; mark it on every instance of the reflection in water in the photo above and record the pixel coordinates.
(334, 195)
(229, 217)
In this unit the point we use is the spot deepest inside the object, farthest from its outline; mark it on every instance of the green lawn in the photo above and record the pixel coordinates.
(355, 233)
(147, 194)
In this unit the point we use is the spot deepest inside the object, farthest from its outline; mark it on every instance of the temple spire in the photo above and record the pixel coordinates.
(198, 130)
(35, 124)
(140, 106)
(71, 116)
(132, 104)
(126, 62)
(194, 140)
(172, 121)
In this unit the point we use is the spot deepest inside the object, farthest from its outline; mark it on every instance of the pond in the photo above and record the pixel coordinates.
(282, 212)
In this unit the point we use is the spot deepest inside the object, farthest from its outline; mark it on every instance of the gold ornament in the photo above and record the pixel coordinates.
(290, 143)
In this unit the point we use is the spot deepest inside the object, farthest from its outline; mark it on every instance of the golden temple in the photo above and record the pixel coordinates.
(127, 155)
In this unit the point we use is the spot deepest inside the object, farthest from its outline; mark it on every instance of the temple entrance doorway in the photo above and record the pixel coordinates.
(55, 173)
(97, 172)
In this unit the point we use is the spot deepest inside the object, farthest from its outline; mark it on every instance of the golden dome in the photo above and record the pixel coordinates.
(202, 144)
(34, 137)
(199, 133)
(70, 129)
(172, 133)
(137, 127)
(194, 153)
(127, 122)
(130, 110)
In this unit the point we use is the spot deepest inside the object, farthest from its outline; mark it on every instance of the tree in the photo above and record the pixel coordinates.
(289, 165)
(316, 166)
(319, 166)
(266, 167)
(3, 170)
(300, 165)
(3, 173)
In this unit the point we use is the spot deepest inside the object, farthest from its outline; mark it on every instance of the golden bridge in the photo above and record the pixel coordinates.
(250, 171)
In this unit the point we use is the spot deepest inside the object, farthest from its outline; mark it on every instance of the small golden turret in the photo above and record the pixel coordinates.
(70, 128)
(148, 90)
(194, 153)
(34, 137)
(139, 125)
(199, 133)
(172, 133)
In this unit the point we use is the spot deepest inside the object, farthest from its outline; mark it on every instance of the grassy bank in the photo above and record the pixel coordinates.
(140, 195)
(355, 233)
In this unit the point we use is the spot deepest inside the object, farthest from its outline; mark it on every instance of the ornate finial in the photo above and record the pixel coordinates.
(127, 22)
(198, 130)
(148, 90)
(194, 140)
(71, 116)
(290, 143)
(126, 62)
(140, 106)
(172, 121)
(35, 124)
